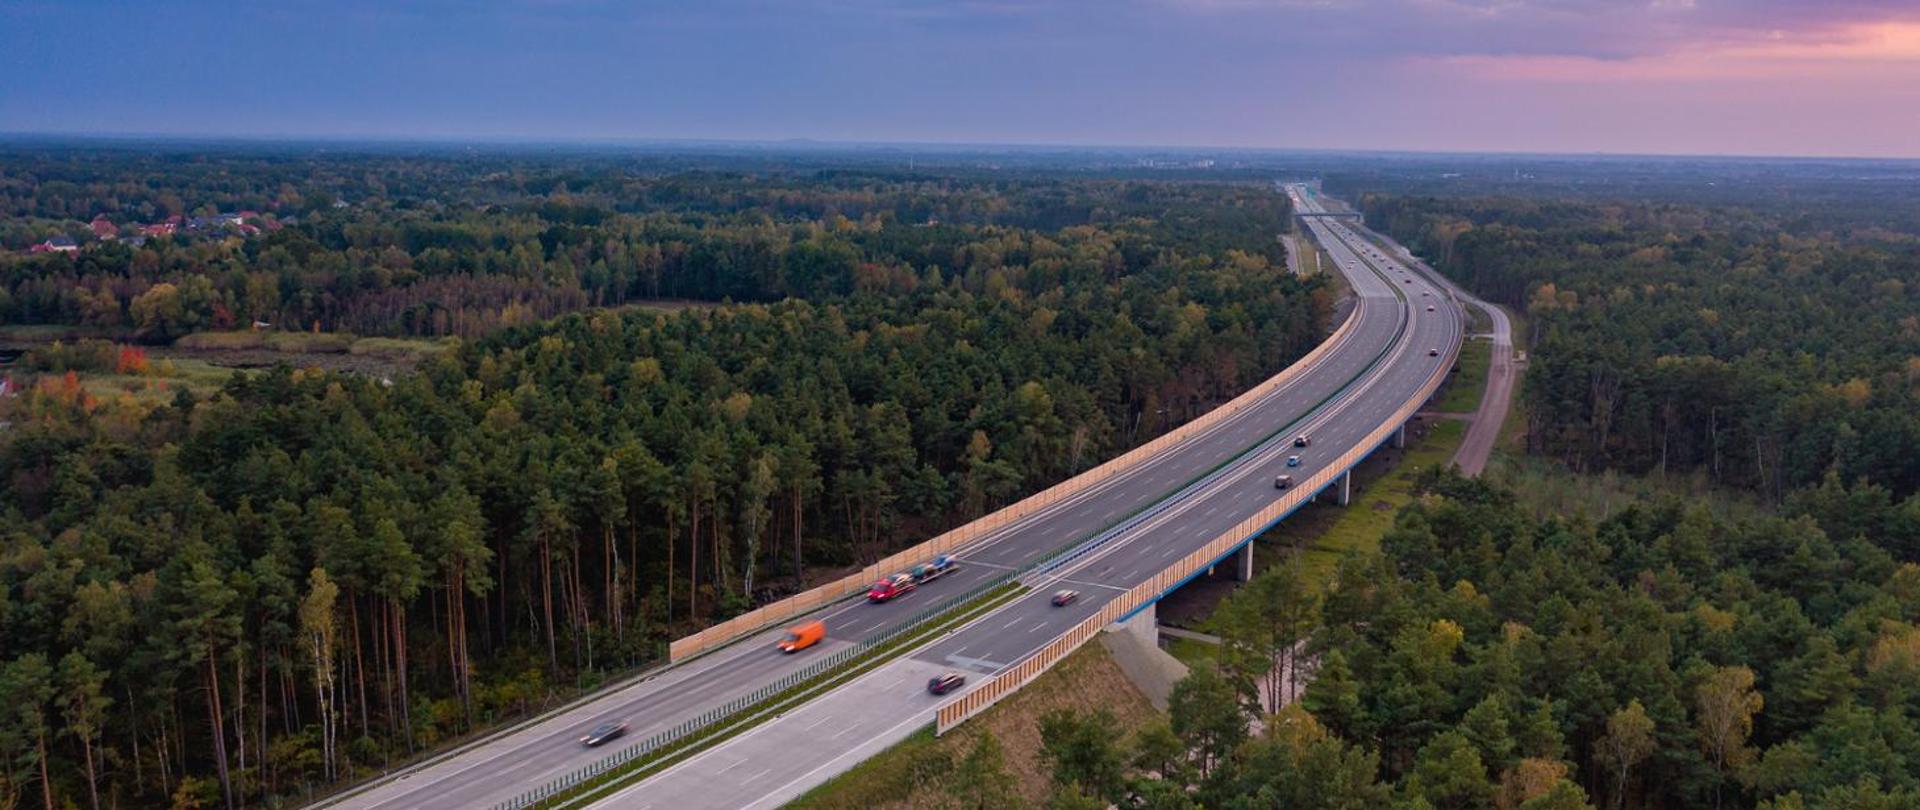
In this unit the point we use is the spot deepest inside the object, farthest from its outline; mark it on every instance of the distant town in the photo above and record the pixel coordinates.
(223, 225)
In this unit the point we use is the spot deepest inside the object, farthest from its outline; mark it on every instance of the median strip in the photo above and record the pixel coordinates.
(667, 748)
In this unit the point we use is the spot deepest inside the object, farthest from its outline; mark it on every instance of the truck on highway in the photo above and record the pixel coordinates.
(803, 636)
(940, 566)
(886, 589)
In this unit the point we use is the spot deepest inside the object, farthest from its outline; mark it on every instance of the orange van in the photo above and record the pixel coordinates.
(803, 636)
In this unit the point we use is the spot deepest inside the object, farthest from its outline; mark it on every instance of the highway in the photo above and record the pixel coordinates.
(1502, 372)
(783, 758)
(1138, 521)
(1502, 369)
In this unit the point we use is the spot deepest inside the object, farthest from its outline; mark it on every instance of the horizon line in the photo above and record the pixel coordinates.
(13, 136)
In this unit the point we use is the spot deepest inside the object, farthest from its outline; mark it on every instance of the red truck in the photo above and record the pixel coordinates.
(886, 589)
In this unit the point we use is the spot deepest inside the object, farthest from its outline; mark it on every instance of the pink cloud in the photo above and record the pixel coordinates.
(1867, 50)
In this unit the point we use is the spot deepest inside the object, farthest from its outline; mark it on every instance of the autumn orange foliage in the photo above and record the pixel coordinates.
(132, 360)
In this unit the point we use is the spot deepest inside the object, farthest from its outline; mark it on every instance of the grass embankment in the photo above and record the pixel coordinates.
(913, 774)
(627, 774)
(1359, 526)
(1466, 386)
(1190, 651)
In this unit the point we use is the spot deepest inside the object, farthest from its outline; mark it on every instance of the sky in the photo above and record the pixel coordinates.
(1735, 77)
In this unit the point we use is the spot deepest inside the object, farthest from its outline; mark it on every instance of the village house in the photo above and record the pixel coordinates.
(58, 244)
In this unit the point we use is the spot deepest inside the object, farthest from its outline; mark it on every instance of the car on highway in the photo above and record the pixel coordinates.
(942, 684)
(1293, 461)
(1302, 440)
(601, 733)
(1433, 352)
(1063, 598)
(1429, 307)
(939, 567)
(1407, 280)
(1283, 482)
(887, 589)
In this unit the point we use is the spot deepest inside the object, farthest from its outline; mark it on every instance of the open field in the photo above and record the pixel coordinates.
(169, 377)
(203, 361)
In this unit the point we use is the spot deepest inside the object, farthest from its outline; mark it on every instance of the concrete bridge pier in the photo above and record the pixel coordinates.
(1246, 562)
(1342, 491)
(1400, 435)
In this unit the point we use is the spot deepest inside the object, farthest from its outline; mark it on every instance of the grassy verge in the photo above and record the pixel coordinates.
(627, 774)
(1469, 384)
(387, 345)
(1478, 321)
(915, 773)
(1358, 527)
(1191, 652)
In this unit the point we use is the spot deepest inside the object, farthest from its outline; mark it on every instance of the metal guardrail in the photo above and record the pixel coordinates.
(579, 776)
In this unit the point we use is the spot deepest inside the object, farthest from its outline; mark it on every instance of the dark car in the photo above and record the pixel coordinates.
(602, 733)
(1302, 440)
(946, 683)
(1283, 482)
(1064, 598)
(1433, 352)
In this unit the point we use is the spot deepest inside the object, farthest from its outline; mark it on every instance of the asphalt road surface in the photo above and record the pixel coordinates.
(786, 756)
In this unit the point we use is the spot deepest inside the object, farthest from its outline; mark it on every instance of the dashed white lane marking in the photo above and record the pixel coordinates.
(1086, 584)
(810, 726)
(763, 772)
(736, 763)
